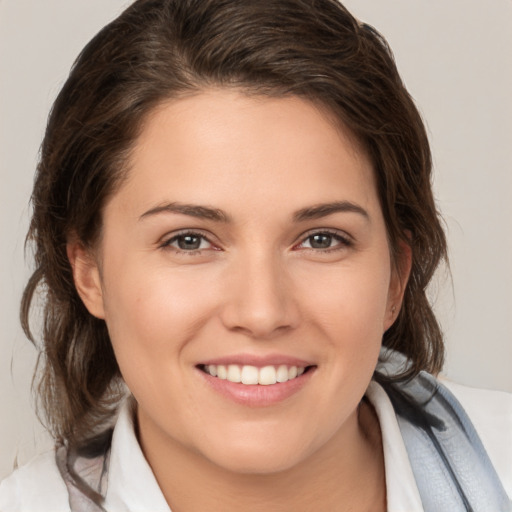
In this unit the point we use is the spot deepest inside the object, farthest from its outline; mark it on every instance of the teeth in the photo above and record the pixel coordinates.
(267, 376)
(234, 373)
(222, 373)
(251, 375)
(282, 373)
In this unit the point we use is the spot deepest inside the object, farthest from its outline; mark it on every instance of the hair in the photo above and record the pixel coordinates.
(157, 50)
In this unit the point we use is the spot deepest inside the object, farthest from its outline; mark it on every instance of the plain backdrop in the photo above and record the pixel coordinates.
(455, 58)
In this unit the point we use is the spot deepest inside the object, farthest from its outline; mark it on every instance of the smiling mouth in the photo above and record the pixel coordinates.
(252, 375)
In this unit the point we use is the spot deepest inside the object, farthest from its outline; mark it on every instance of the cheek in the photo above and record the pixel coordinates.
(348, 312)
(151, 319)
(348, 297)
(151, 314)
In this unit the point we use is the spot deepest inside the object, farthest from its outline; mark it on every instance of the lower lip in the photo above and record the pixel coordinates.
(257, 395)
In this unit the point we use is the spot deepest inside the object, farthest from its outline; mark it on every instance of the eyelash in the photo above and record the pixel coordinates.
(344, 241)
(167, 243)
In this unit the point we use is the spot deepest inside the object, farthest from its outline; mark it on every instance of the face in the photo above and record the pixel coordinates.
(247, 243)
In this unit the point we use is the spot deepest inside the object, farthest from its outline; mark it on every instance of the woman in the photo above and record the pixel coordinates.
(205, 349)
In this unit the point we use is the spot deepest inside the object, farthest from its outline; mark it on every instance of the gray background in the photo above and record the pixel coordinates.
(455, 57)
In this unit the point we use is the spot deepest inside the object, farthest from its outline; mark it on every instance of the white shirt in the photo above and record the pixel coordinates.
(132, 487)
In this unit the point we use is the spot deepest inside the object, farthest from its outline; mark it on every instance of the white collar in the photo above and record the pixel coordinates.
(132, 485)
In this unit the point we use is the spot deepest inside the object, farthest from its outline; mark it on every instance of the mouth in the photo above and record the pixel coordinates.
(257, 380)
(249, 375)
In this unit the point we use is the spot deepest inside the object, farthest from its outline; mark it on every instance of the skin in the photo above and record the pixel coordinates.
(258, 285)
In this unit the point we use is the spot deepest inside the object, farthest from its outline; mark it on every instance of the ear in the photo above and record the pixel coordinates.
(400, 271)
(86, 275)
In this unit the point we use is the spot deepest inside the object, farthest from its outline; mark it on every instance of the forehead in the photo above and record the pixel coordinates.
(226, 146)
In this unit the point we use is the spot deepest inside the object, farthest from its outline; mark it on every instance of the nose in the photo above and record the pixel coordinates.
(259, 298)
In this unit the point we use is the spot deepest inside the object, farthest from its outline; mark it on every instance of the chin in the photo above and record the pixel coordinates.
(262, 463)
(259, 457)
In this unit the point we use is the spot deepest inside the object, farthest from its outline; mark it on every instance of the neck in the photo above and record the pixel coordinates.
(347, 473)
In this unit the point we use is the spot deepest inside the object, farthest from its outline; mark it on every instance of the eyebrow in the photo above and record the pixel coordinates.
(309, 213)
(323, 210)
(202, 212)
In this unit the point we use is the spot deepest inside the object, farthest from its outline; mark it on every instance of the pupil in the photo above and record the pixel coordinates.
(321, 241)
(189, 242)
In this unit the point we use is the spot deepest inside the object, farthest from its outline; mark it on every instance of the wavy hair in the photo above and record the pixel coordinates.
(161, 49)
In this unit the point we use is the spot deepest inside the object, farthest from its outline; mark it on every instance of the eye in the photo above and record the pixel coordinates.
(188, 242)
(326, 241)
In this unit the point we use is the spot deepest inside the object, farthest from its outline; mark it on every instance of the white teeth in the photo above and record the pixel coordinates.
(234, 373)
(267, 376)
(222, 373)
(251, 375)
(282, 373)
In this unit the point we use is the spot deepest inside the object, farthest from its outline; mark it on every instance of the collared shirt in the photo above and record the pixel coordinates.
(132, 487)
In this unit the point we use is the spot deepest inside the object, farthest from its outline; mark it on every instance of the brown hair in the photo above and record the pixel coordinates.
(160, 49)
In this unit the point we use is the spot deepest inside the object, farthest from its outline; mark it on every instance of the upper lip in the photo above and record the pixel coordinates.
(258, 360)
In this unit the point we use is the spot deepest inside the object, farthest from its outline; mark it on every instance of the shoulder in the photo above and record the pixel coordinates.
(35, 487)
(491, 415)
